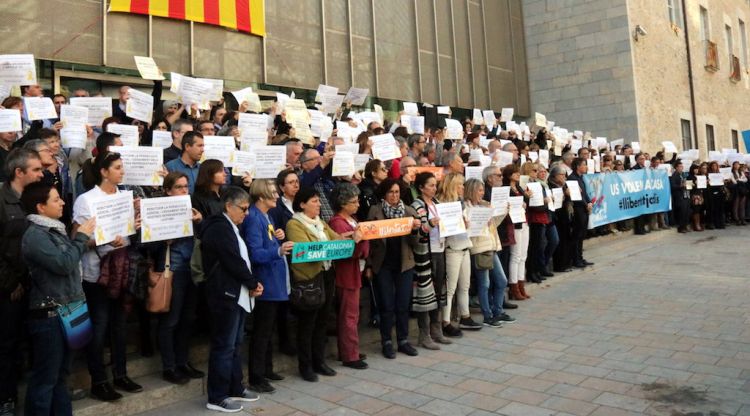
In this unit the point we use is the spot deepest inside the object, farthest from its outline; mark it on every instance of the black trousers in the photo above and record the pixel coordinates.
(311, 328)
(261, 350)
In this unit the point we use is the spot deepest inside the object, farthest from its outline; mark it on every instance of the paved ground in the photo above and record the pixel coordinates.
(659, 327)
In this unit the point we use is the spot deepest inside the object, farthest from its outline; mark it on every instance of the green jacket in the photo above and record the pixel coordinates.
(299, 233)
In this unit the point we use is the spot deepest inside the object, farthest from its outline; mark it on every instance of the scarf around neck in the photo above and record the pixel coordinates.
(47, 222)
(393, 212)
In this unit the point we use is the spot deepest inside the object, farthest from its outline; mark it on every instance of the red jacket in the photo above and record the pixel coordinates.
(348, 275)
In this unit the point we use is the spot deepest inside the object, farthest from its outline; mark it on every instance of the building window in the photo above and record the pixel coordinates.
(743, 44)
(687, 134)
(674, 8)
(735, 140)
(729, 44)
(710, 141)
(705, 28)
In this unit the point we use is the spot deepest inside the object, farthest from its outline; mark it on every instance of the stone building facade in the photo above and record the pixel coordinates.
(591, 69)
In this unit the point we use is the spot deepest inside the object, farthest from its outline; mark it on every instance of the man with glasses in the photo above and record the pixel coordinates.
(207, 128)
(189, 162)
(417, 144)
(316, 173)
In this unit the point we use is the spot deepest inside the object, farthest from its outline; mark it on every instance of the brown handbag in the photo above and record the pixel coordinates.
(160, 287)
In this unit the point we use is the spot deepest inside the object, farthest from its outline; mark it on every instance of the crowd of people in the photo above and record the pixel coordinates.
(237, 265)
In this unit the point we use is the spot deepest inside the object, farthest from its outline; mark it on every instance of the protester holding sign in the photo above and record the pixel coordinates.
(581, 211)
(106, 302)
(392, 262)
(307, 226)
(680, 197)
(345, 202)
(268, 250)
(697, 201)
(519, 250)
(53, 260)
(538, 219)
(175, 326)
(429, 254)
(485, 261)
(717, 193)
(563, 217)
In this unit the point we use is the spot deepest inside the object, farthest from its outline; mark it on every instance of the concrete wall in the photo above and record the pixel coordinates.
(580, 65)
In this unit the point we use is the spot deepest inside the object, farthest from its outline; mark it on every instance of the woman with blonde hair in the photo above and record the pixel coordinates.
(538, 218)
(457, 263)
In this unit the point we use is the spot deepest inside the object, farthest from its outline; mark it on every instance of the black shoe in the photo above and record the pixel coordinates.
(588, 263)
(388, 351)
(190, 371)
(288, 349)
(505, 318)
(492, 322)
(175, 377)
(508, 305)
(546, 273)
(125, 383)
(579, 265)
(407, 349)
(532, 277)
(105, 392)
(263, 386)
(274, 376)
(308, 375)
(468, 323)
(452, 332)
(358, 365)
(324, 370)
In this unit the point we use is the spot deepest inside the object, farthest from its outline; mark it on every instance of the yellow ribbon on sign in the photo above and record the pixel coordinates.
(186, 228)
(131, 227)
(99, 234)
(147, 233)
(29, 76)
(155, 179)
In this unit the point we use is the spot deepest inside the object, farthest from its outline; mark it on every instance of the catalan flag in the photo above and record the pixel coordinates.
(242, 15)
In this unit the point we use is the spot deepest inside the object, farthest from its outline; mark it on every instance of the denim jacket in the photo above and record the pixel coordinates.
(54, 262)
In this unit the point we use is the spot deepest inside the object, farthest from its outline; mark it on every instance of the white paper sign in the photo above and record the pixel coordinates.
(17, 70)
(115, 215)
(516, 211)
(220, 148)
(415, 124)
(148, 68)
(10, 120)
(252, 139)
(74, 119)
(39, 108)
(161, 139)
(99, 108)
(455, 130)
(343, 164)
(473, 172)
(537, 195)
(217, 88)
(451, 219)
(669, 147)
(499, 199)
(503, 158)
(270, 160)
(325, 91)
(636, 147)
(384, 147)
(506, 114)
(166, 218)
(253, 123)
(193, 91)
(701, 182)
(444, 109)
(411, 109)
(128, 134)
(489, 118)
(716, 179)
(558, 195)
(244, 163)
(357, 96)
(140, 105)
(360, 161)
(575, 191)
(141, 164)
(478, 219)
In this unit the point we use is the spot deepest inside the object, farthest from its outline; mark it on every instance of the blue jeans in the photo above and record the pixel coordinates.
(491, 305)
(47, 393)
(225, 357)
(552, 241)
(175, 325)
(108, 316)
(393, 289)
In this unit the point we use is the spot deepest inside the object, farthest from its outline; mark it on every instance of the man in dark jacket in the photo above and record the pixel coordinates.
(581, 211)
(230, 287)
(22, 167)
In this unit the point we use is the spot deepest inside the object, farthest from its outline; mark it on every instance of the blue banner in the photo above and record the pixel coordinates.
(746, 139)
(620, 196)
(322, 250)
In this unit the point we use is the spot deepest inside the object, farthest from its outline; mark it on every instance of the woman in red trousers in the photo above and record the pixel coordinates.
(345, 201)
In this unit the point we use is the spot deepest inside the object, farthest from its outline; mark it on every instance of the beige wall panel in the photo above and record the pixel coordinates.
(171, 46)
(465, 94)
(481, 88)
(337, 59)
(429, 78)
(293, 43)
(127, 36)
(397, 59)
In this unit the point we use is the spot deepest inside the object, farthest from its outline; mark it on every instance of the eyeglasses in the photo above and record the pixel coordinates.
(353, 202)
(296, 181)
(383, 169)
(181, 187)
(243, 208)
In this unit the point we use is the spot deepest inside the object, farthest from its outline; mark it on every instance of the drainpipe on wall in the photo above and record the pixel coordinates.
(690, 73)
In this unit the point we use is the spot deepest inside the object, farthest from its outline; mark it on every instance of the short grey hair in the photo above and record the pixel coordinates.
(568, 157)
(18, 159)
(489, 170)
(414, 139)
(305, 156)
(233, 195)
(342, 194)
(555, 170)
(448, 158)
(401, 141)
(35, 145)
(177, 126)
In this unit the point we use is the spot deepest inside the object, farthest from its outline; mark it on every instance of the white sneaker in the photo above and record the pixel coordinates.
(246, 396)
(226, 406)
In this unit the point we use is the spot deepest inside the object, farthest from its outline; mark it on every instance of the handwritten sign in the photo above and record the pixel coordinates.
(386, 228)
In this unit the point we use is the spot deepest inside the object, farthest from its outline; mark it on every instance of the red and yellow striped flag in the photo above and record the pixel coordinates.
(242, 15)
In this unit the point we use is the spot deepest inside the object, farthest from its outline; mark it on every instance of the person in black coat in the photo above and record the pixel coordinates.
(680, 197)
(581, 211)
(230, 286)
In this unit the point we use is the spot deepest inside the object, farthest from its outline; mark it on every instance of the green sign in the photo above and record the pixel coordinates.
(322, 251)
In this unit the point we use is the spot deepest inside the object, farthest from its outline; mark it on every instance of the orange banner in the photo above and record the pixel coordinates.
(241, 15)
(385, 228)
(437, 171)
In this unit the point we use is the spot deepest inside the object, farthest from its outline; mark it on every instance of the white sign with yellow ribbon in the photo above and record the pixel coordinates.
(39, 108)
(17, 70)
(141, 164)
(166, 218)
(10, 120)
(115, 215)
(221, 148)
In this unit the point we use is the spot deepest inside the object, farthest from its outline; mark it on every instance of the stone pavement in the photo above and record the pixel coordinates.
(658, 327)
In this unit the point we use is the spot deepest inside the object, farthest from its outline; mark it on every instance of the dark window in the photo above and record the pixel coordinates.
(710, 141)
(687, 135)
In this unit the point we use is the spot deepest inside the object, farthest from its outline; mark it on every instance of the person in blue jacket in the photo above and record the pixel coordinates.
(267, 256)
